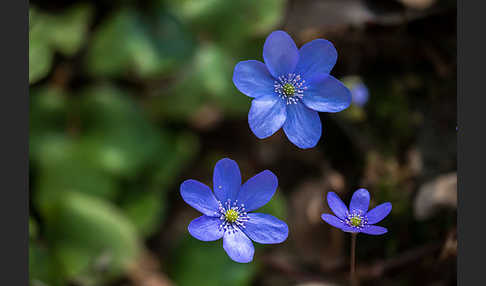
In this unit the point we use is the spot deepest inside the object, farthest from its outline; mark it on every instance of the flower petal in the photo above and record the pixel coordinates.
(253, 79)
(332, 220)
(327, 94)
(206, 228)
(258, 190)
(238, 246)
(378, 213)
(265, 228)
(374, 230)
(303, 126)
(267, 114)
(350, 229)
(200, 197)
(280, 53)
(226, 179)
(317, 57)
(336, 205)
(360, 201)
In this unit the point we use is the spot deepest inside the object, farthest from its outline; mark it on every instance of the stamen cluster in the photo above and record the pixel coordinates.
(290, 87)
(356, 219)
(232, 215)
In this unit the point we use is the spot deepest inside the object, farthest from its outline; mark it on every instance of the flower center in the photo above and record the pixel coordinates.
(355, 219)
(290, 87)
(231, 215)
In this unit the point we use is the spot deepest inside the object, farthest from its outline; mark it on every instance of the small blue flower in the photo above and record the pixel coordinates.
(357, 218)
(290, 88)
(360, 94)
(227, 213)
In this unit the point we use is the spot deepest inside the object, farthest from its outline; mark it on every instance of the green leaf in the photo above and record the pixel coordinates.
(64, 165)
(48, 110)
(194, 259)
(110, 54)
(145, 209)
(231, 21)
(128, 42)
(33, 230)
(68, 30)
(122, 139)
(40, 53)
(91, 235)
(42, 267)
(209, 82)
(64, 32)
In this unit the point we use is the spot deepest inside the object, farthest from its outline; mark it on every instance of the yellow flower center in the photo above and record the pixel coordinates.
(289, 89)
(355, 221)
(231, 215)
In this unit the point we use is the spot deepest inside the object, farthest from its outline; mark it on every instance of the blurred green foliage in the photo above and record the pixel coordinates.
(193, 260)
(102, 82)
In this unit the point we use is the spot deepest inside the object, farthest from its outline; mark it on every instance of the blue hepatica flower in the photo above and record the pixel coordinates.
(227, 213)
(357, 218)
(360, 94)
(291, 87)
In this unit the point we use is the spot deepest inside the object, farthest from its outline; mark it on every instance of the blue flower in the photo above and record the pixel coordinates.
(357, 218)
(360, 94)
(227, 213)
(290, 88)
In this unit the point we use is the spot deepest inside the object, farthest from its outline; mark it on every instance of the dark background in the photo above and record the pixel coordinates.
(130, 98)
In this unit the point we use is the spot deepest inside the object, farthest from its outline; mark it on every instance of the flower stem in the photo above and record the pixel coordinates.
(353, 278)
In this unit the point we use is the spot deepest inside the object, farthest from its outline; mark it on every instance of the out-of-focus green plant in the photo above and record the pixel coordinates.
(230, 21)
(191, 260)
(129, 43)
(65, 33)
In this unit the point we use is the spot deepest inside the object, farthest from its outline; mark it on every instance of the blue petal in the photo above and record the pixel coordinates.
(258, 190)
(280, 53)
(347, 228)
(267, 114)
(374, 230)
(327, 94)
(378, 213)
(303, 126)
(265, 228)
(238, 246)
(317, 57)
(332, 220)
(360, 201)
(253, 79)
(200, 197)
(206, 228)
(336, 205)
(226, 179)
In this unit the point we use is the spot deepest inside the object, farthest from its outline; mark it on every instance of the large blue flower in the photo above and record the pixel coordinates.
(357, 218)
(291, 87)
(227, 213)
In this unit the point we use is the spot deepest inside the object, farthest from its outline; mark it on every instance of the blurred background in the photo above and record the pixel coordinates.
(129, 98)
